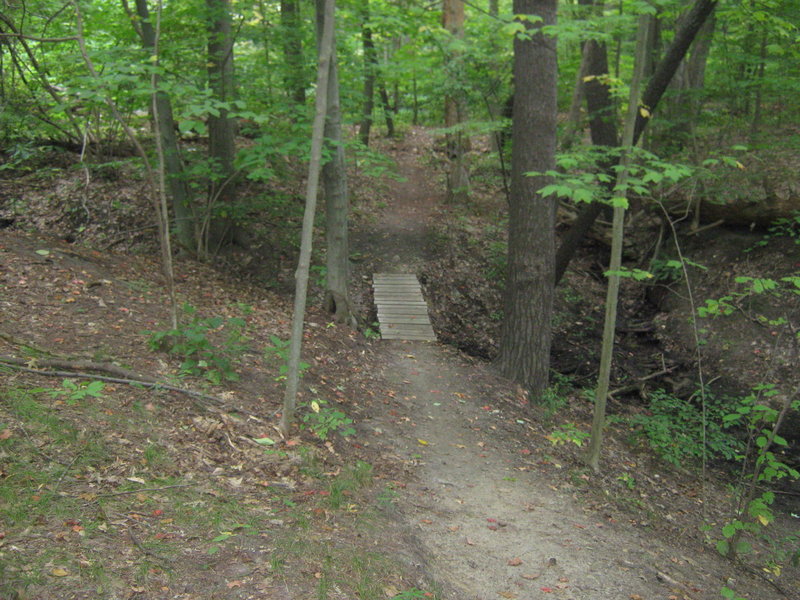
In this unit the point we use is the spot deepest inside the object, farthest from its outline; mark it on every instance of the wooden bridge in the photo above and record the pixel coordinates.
(402, 312)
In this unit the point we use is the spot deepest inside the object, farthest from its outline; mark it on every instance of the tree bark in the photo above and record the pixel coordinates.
(652, 95)
(165, 128)
(574, 122)
(306, 238)
(334, 185)
(370, 66)
(387, 108)
(455, 110)
(221, 128)
(526, 334)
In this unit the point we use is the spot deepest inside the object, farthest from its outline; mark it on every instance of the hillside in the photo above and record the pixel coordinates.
(421, 474)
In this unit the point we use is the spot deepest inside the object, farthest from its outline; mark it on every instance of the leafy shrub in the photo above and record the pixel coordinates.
(322, 420)
(201, 355)
(674, 429)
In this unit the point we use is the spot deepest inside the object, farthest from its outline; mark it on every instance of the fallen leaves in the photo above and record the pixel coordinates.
(514, 562)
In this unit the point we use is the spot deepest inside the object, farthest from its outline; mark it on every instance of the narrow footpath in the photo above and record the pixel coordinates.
(488, 520)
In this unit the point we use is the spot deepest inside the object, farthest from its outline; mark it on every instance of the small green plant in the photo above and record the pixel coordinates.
(194, 343)
(75, 392)
(280, 350)
(674, 428)
(373, 332)
(628, 480)
(787, 227)
(729, 594)
(322, 420)
(761, 468)
(224, 536)
(568, 432)
(556, 396)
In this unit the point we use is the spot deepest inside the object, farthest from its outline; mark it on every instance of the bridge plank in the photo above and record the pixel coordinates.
(402, 310)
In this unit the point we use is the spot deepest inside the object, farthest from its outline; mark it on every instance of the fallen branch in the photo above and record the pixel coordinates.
(637, 386)
(158, 489)
(127, 378)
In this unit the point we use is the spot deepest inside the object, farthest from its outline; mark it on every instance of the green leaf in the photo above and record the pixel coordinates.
(723, 547)
(265, 441)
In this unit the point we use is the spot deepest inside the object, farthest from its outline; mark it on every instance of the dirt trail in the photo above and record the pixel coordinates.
(488, 520)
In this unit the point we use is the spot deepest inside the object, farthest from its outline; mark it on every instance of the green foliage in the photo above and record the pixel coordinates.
(322, 420)
(280, 350)
(671, 269)
(579, 178)
(209, 346)
(729, 594)
(635, 274)
(568, 432)
(373, 332)
(674, 428)
(75, 392)
(785, 227)
(556, 396)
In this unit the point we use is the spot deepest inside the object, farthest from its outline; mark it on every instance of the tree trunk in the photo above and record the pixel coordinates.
(759, 84)
(370, 66)
(165, 127)
(294, 79)
(387, 108)
(653, 93)
(221, 128)
(306, 238)
(334, 185)
(455, 110)
(574, 122)
(610, 324)
(526, 336)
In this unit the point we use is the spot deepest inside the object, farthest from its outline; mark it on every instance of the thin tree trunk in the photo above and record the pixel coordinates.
(620, 201)
(334, 184)
(759, 84)
(526, 335)
(652, 95)
(370, 66)
(221, 128)
(293, 51)
(574, 121)
(164, 126)
(455, 111)
(387, 108)
(306, 238)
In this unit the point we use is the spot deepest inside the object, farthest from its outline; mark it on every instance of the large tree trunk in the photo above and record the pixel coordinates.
(293, 51)
(221, 128)
(455, 110)
(526, 335)
(334, 185)
(655, 90)
(370, 66)
(165, 127)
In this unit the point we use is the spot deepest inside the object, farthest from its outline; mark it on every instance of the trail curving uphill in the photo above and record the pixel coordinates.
(487, 516)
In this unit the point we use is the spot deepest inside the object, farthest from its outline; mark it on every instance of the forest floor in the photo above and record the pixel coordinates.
(450, 485)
